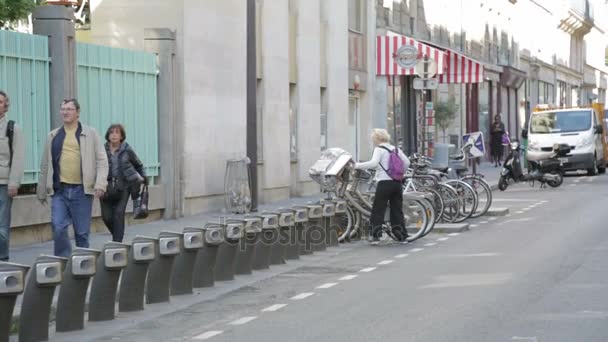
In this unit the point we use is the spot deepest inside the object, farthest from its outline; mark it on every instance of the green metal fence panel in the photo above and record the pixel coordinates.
(119, 86)
(24, 75)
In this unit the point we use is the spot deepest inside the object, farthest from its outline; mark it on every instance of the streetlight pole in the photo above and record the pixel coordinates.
(252, 125)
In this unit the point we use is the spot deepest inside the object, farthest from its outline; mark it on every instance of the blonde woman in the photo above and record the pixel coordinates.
(388, 190)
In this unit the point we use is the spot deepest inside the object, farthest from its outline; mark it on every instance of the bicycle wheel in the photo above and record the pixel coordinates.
(484, 194)
(344, 224)
(431, 215)
(437, 202)
(451, 202)
(467, 197)
(416, 218)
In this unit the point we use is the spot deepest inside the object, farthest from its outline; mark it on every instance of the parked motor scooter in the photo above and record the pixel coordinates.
(548, 171)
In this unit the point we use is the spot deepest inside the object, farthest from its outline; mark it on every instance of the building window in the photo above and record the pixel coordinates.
(354, 15)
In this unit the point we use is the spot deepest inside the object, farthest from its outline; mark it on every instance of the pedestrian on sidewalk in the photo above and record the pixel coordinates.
(388, 190)
(496, 146)
(73, 169)
(125, 177)
(11, 170)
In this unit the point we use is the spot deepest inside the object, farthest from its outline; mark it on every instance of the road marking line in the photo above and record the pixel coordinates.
(431, 244)
(493, 219)
(443, 239)
(590, 179)
(573, 185)
(302, 296)
(474, 225)
(401, 256)
(367, 270)
(519, 212)
(474, 255)
(454, 234)
(243, 320)
(385, 262)
(578, 180)
(532, 339)
(349, 277)
(274, 307)
(512, 200)
(416, 250)
(327, 286)
(484, 222)
(208, 334)
(508, 215)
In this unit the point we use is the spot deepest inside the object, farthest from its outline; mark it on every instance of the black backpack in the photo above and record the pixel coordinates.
(10, 131)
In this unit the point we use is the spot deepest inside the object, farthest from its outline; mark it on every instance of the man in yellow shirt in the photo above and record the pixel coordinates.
(74, 167)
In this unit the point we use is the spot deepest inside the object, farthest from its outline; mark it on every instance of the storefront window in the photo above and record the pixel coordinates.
(484, 110)
(393, 116)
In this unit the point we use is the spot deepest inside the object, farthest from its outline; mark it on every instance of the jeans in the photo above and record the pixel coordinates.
(5, 221)
(70, 205)
(113, 214)
(388, 191)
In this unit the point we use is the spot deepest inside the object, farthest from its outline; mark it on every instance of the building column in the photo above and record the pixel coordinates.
(161, 41)
(56, 22)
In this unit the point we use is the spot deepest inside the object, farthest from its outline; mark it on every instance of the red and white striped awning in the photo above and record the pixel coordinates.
(386, 50)
(461, 69)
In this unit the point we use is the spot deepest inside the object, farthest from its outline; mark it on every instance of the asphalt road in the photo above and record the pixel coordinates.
(538, 274)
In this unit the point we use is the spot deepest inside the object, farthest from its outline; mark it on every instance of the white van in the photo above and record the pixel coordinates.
(578, 127)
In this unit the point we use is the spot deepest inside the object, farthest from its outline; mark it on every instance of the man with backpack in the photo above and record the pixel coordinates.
(11, 171)
(390, 164)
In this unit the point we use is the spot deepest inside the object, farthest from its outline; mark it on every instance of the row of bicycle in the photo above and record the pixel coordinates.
(430, 196)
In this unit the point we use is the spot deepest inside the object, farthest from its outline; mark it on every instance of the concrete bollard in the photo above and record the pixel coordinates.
(292, 249)
(12, 283)
(183, 266)
(302, 227)
(246, 254)
(226, 256)
(102, 300)
(159, 274)
(331, 234)
(268, 237)
(316, 229)
(47, 273)
(204, 266)
(277, 252)
(82, 265)
(133, 281)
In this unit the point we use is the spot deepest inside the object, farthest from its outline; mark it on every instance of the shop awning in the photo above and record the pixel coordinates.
(386, 53)
(461, 69)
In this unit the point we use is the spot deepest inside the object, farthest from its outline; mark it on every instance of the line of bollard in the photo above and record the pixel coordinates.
(38, 296)
(150, 270)
(159, 274)
(102, 300)
(133, 281)
(82, 265)
(183, 267)
(269, 236)
(204, 266)
(246, 253)
(12, 284)
(226, 255)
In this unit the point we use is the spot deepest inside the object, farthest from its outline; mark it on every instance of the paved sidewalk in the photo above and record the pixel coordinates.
(28, 253)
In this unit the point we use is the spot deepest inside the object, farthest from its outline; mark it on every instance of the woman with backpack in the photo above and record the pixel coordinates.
(390, 164)
(125, 177)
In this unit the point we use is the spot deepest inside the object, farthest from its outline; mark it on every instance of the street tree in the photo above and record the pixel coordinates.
(12, 11)
(445, 113)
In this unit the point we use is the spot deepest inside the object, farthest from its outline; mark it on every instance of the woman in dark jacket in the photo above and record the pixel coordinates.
(498, 130)
(125, 177)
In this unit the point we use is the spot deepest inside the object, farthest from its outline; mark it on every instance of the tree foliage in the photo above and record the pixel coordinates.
(445, 113)
(12, 11)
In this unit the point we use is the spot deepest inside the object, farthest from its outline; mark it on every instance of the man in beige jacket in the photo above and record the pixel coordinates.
(74, 167)
(11, 171)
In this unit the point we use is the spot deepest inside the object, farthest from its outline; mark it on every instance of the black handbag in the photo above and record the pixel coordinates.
(140, 205)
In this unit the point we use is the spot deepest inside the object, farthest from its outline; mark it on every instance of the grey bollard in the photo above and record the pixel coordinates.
(277, 251)
(204, 266)
(133, 280)
(159, 274)
(291, 245)
(299, 239)
(335, 222)
(311, 229)
(226, 254)
(47, 273)
(102, 300)
(12, 283)
(316, 230)
(269, 236)
(331, 233)
(246, 254)
(82, 265)
(183, 267)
